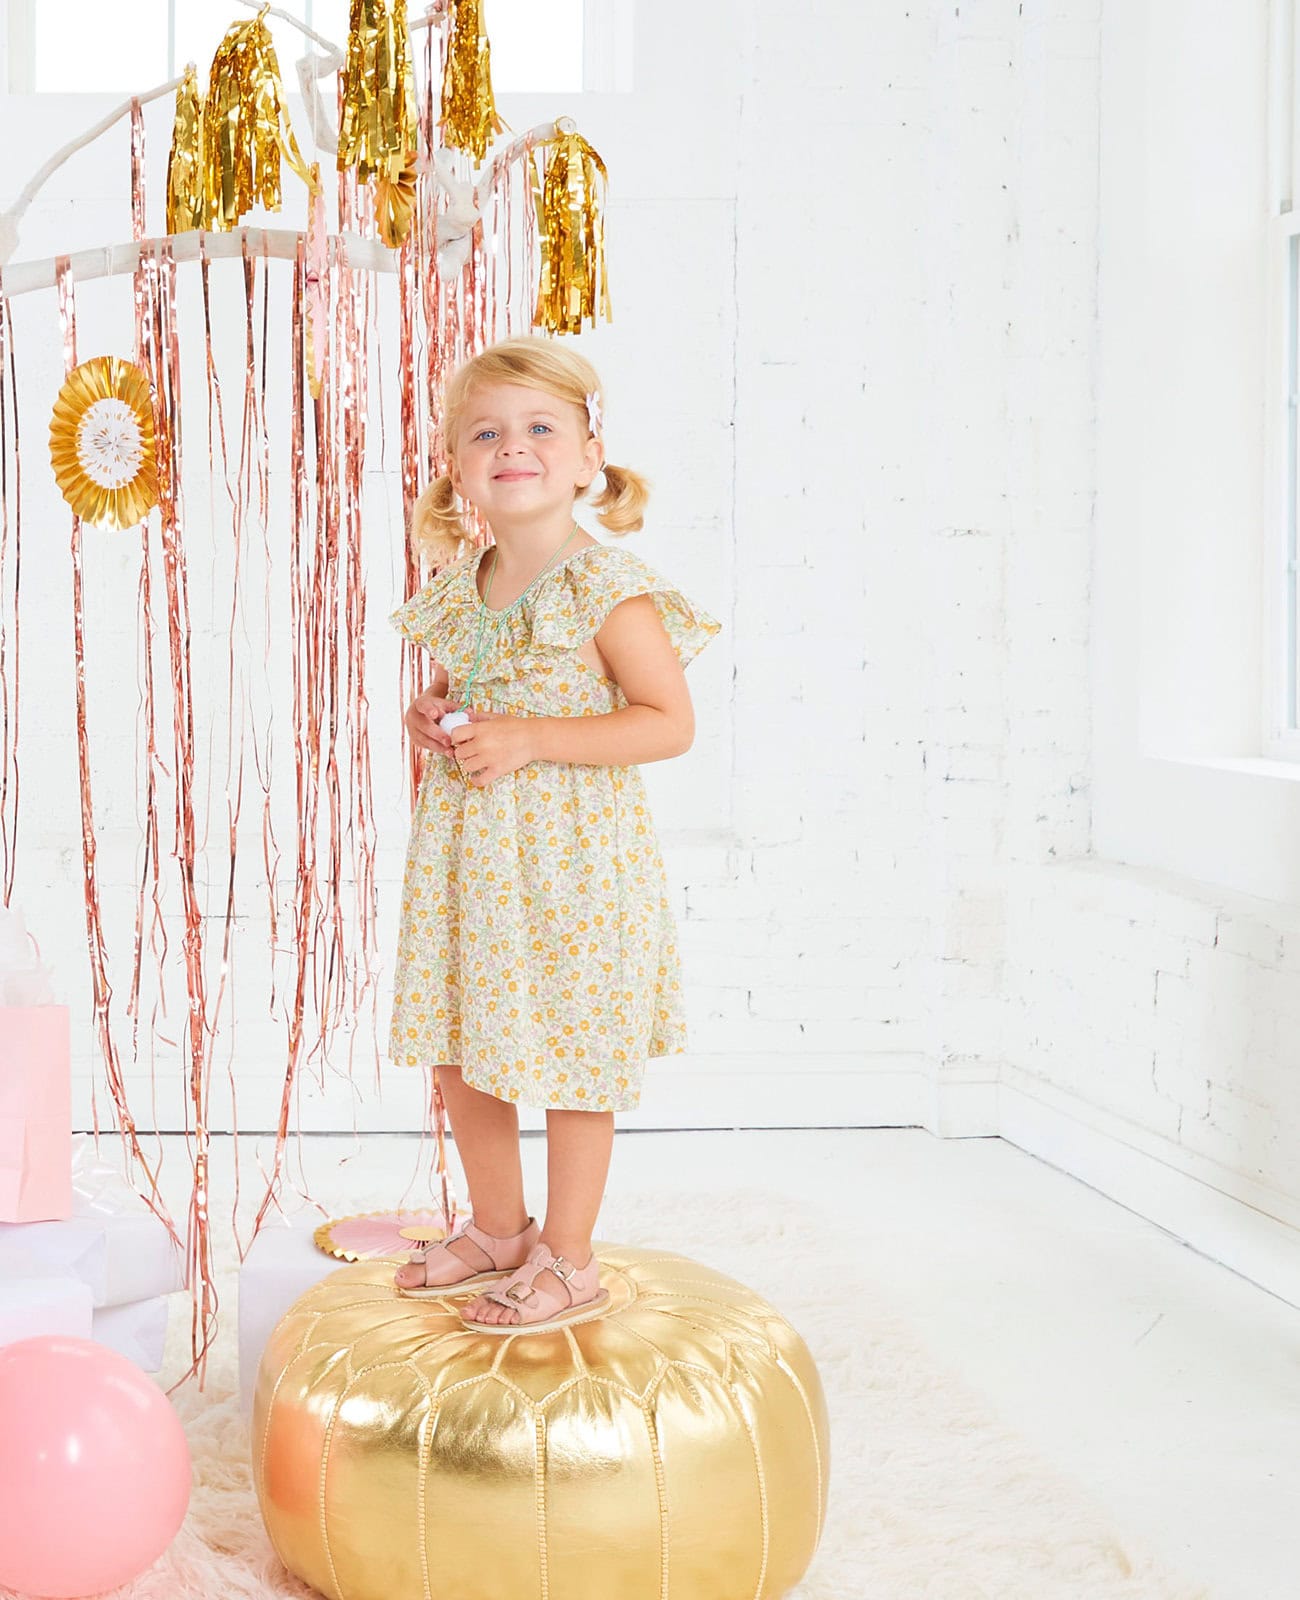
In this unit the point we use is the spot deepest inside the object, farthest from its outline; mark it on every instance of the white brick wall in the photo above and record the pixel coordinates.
(855, 259)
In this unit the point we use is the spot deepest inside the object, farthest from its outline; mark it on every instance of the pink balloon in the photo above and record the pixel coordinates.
(94, 1468)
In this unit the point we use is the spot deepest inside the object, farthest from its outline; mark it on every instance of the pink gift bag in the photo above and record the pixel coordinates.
(35, 1114)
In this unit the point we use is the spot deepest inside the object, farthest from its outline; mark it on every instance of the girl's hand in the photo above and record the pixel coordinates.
(422, 717)
(490, 745)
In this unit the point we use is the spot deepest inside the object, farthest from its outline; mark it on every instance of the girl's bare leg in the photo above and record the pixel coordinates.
(486, 1131)
(578, 1147)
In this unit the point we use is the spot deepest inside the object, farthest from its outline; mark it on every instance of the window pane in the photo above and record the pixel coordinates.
(535, 48)
(201, 25)
(96, 47)
(121, 45)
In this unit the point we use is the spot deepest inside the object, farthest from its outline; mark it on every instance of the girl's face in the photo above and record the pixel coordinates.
(521, 453)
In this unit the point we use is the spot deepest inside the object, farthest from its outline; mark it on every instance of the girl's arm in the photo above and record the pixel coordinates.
(658, 720)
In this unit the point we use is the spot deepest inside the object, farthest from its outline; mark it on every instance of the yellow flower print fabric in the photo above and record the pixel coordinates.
(537, 948)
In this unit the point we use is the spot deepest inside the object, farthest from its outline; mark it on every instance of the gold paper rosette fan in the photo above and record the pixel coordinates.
(102, 443)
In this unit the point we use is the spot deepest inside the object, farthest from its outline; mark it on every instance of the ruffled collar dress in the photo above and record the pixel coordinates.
(537, 949)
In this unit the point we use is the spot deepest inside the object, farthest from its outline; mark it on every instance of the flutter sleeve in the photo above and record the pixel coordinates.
(586, 591)
(433, 617)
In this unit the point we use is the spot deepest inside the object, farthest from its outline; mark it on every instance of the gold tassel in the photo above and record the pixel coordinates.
(186, 201)
(246, 126)
(469, 113)
(378, 122)
(377, 117)
(573, 285)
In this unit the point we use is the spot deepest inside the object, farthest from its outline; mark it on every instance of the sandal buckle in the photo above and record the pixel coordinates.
(519, 1294)
(555, 1268)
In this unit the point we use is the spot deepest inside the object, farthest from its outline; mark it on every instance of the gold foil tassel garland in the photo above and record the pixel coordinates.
(246, 127)
(377, 117)
(469, 113)
(573, 286)
(186, 196)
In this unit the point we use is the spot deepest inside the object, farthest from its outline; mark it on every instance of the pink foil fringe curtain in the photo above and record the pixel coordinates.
(324, 946)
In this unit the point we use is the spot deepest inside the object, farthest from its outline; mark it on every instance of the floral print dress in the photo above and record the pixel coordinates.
(537, 948)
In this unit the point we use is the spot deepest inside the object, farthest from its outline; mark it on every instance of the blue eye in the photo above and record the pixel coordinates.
(482, 434)
(543, 426)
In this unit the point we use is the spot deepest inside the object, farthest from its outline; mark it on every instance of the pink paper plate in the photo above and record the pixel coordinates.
(380, 1235)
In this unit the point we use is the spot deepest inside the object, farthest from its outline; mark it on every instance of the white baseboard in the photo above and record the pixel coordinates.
(1252, 1231)
(778, 1091)
(1214, 1211)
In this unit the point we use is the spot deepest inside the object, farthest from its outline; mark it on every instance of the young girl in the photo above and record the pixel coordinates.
(537, 960)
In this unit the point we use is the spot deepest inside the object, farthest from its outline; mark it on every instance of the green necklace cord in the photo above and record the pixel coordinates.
(498, 617)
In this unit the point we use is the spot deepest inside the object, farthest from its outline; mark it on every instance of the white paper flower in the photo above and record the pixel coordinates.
(593, 412)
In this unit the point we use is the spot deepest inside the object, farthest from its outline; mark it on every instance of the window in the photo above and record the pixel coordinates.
(121, 46)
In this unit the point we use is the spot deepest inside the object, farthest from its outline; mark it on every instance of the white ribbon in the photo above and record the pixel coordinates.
(456, 224)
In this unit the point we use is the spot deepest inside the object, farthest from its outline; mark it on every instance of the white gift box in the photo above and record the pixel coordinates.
(112, 1241)
(137, 1331)
(282, 1263)
(43, 1305)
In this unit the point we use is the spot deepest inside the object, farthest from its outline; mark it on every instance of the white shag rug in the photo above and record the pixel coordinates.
(930, 1499)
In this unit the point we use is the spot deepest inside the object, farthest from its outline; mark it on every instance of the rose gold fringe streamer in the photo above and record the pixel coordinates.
(101, 988)
(235, 696)
(149, 899)
(305, 727)
(158, 352)
(358, 295)
(167, 389)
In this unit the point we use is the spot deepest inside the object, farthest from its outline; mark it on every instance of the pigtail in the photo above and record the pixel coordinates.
(438, 532)
(620, 503)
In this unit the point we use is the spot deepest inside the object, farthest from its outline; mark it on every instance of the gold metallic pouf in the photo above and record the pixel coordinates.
(675, 1448)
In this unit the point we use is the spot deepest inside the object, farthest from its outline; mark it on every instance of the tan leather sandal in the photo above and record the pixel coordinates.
(446, 1272)
(546, 1292)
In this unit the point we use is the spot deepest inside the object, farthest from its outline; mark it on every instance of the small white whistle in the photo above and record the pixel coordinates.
(453, 719)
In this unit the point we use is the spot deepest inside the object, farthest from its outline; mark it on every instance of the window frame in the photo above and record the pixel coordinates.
(1280, 677)
(607, 41)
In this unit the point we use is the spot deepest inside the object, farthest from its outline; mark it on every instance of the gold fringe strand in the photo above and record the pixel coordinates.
(246, 126)
(573, 285)
(186, 201)
(469, 113)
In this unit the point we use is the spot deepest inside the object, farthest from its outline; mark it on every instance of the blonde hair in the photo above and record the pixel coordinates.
(438, 530)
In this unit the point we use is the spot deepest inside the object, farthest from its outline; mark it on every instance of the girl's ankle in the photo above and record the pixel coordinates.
(579, 1258)
(501, 1233)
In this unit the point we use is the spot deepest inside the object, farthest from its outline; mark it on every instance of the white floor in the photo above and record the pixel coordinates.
(1167, 1386)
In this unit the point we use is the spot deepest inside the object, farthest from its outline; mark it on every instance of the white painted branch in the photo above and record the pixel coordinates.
(10, 219)
(543, 133)
(284, 16)
(366, 255)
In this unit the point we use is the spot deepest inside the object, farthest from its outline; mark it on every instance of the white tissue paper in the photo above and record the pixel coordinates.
(24, 979)
(282, 1263)
(43, 1305)
(138, 1331)
(112, 1242)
